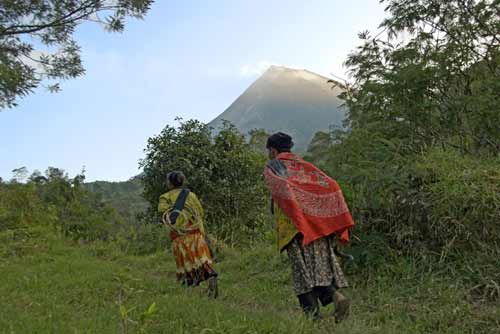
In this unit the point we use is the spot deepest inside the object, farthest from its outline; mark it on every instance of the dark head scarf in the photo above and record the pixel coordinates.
(280, 141)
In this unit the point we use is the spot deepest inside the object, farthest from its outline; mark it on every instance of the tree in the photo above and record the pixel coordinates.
(435, 79)
(27, 26)
(58, 201)
(258, 140)
(224, 171)
(20, 174)
(318, 147)
(424, 116)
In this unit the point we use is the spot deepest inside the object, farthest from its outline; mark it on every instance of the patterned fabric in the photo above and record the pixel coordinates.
(310, 198)
(191, 217)
(285, 229)
(192, 258)
(192, 254)
(314, 265)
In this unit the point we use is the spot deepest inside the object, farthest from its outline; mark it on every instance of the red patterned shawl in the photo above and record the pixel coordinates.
(310, 198)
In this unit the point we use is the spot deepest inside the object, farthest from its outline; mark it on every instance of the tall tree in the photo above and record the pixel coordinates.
(37, 43)
(433, 78)
(223, 170)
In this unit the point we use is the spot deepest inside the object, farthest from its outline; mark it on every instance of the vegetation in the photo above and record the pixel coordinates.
(438, 85)
(73, 282)
(36, 40)
(125, 197)
(57, 201)
(419, 167)
(62, 205)
(419, 163)
(53, 285)
(224, 171)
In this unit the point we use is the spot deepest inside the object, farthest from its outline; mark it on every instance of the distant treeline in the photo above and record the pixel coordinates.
(126, 196)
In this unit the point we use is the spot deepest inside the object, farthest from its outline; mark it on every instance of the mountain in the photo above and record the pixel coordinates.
(298, 102)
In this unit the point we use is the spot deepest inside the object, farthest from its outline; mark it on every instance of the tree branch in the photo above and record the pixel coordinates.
(66, 19)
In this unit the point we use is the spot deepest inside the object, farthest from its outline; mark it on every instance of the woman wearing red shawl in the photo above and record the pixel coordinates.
(311, 217)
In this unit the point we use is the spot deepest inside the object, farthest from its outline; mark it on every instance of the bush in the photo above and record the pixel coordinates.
(455, 198)
(58, 201)
(440, 204)
(142, 239)
(20, 207)
(439, 198)
(223, 170)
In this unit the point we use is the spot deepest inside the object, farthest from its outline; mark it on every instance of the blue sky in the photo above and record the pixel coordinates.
(187, 58)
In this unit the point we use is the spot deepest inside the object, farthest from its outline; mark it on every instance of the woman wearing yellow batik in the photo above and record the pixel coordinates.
(183, 215)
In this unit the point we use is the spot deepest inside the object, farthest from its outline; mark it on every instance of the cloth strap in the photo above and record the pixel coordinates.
(180, 202)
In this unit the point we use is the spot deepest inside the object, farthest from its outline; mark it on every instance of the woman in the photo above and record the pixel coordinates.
(311, 216)
(183, 215)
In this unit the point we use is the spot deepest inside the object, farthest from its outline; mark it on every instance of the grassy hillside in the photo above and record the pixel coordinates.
(51, 285)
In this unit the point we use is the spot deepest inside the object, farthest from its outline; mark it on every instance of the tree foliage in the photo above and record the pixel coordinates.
(37, 39)
(431, 85)
(435, 78)
(53, 199)
(418, 160)
(125, 197)
(258, 140)
(222, 170)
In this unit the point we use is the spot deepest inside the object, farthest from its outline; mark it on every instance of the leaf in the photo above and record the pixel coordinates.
(123, 312)
(152, 309)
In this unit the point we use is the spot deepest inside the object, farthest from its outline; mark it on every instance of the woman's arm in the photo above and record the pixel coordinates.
(164, 204)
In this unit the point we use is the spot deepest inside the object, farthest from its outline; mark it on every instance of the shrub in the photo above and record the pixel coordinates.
(223, 170)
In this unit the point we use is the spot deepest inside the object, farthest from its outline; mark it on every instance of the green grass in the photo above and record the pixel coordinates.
(49, 285)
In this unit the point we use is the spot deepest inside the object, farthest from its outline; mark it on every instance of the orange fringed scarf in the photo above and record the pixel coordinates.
(311, 199)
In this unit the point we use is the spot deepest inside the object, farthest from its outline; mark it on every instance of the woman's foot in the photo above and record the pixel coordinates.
(213, 290)
(342, 307)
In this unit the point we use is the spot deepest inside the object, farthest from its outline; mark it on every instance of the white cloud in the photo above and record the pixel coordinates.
(251, 70)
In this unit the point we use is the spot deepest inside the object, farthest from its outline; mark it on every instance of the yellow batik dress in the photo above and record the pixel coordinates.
(192, 256)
